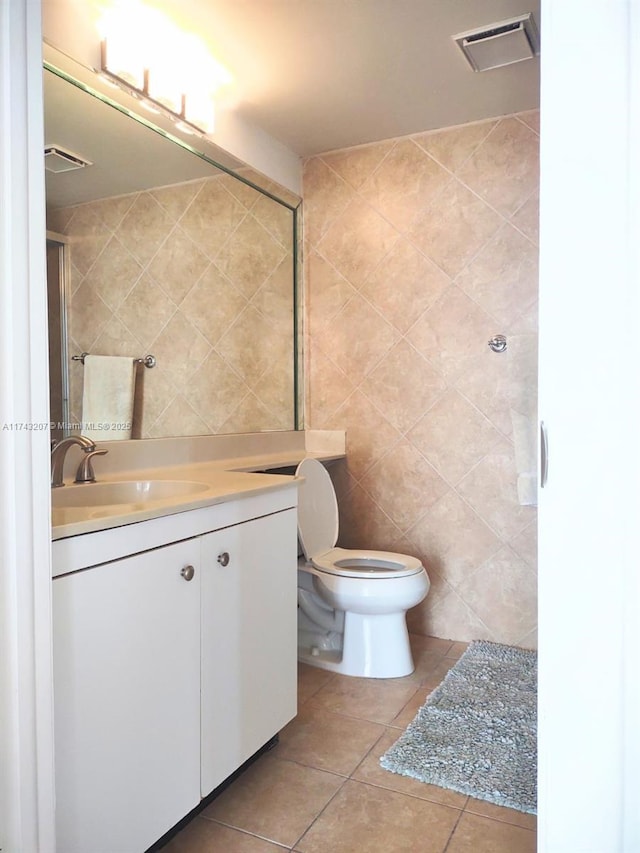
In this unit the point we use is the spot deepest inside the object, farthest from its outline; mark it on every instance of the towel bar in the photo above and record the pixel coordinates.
(148, 360)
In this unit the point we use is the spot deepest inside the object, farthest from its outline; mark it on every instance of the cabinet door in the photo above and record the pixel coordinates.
(249, 640)
(127, 679)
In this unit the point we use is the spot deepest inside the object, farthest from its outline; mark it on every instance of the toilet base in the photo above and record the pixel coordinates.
(374, 646)
(320, 658)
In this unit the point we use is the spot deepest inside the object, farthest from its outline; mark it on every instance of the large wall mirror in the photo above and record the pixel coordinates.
(156, 249)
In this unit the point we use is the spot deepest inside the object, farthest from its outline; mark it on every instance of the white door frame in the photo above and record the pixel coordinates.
(26, 693)
(589, 540)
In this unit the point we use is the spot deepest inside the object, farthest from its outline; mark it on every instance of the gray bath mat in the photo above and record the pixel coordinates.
(476, 733)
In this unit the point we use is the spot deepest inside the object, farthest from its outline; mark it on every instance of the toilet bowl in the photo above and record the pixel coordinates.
(351, 603)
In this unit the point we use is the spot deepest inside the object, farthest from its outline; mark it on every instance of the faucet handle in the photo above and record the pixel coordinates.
(85, 472)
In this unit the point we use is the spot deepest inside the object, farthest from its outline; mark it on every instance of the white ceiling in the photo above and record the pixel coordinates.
(317, 75)
(325, 74)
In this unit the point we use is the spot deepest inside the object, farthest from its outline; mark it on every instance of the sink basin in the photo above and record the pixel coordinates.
(123, 492)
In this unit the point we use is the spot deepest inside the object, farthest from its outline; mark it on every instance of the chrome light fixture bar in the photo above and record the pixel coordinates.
(142, 94)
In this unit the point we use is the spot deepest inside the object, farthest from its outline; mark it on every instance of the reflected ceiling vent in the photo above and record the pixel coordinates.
(59, 159)
(500, 44)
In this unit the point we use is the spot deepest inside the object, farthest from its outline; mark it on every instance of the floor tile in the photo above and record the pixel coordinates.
(365, 819)
(407, 714)
(457, 650)
(297, 796)
(206, 836)
(327, 741)
(378, 700)
(428, 665)
(275, 799)
(310, 680)
(429, 644)
(372, 773)
(481, 807)
(475, 834)
(432, 669)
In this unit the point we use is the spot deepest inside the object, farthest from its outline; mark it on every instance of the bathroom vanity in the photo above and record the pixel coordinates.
(175, 626)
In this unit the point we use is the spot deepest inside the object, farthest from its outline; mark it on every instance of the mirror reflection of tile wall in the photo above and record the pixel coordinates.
(200, 274)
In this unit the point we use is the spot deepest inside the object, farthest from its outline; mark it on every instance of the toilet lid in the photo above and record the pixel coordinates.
(317, 509)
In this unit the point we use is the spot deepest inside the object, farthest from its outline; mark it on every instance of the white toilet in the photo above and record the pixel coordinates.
(351, 604)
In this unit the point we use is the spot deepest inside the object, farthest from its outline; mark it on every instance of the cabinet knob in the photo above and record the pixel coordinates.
(188, 572)
(223, 558)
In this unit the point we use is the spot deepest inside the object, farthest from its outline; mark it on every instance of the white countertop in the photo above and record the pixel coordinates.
(223, 480)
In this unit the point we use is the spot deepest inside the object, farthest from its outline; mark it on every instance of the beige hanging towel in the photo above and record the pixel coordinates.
(107, 399)
(523, 372)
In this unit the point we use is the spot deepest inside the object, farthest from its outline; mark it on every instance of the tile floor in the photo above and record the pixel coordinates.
(321, 790)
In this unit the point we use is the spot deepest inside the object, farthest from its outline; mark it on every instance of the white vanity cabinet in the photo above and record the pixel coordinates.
(249, 640)
(171, 668)
(127, 689)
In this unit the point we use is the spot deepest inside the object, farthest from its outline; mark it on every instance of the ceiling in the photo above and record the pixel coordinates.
(325, 74)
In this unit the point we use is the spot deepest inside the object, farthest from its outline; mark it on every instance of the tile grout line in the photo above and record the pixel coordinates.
(322, 811)
(246, 832)
(455, 826)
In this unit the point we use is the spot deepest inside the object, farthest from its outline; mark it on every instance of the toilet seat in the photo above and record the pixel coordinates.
(371, 564)
(318, 533)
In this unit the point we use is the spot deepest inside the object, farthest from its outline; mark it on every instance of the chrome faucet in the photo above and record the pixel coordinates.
(85, 472)
(59, 453)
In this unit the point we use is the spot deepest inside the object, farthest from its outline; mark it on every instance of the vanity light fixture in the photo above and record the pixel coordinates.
(136, 45)
(174, 106)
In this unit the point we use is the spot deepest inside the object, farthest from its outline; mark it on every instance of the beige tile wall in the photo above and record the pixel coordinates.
(417, 251)
(200, 275)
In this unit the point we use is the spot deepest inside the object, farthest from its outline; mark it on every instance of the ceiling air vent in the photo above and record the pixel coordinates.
(59, 159)
(500, 44)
